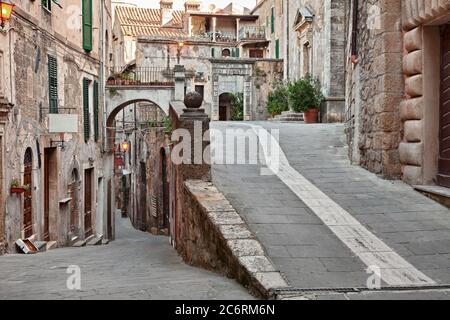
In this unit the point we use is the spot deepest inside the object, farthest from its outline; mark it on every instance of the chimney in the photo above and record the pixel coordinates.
(192, 6)
(166, 7)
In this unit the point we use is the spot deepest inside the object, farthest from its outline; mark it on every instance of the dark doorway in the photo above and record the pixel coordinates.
(28, 195)
(444, 139)
(74, 204)
(164, 189)
(224, 107)
(256, 53)
(201, 90)
(88, 196)
(50, 188)
(109, 217)
(143, 197)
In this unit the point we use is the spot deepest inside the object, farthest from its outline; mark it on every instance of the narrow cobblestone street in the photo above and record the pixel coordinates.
(135, 266)
(406, 230)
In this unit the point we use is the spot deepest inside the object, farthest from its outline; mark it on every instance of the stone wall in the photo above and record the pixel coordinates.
(375, 89)
(214, 236)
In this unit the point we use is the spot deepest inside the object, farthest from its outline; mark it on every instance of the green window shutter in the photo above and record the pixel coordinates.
(87, 24)
(213, 52)
(96, 105)
(53, 84)
(237, 53)
(277, 49)
(233, 52)
(273, 20)
(86, 118)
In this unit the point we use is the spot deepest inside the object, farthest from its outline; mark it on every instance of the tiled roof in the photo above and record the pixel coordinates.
(137, 22)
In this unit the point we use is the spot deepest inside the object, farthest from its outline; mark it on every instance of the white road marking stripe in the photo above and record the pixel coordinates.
(372, 251)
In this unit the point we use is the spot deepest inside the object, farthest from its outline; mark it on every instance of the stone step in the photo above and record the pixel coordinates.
(436, 193)
(41, 245)
(105, 241)
(52, 245)
(96, 241)
(83, 243)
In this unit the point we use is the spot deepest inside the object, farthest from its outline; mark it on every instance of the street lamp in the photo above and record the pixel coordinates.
(6, 8)
(179, 48)
(125, 146)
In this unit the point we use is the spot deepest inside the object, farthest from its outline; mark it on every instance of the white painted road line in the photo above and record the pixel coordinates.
(372, 251)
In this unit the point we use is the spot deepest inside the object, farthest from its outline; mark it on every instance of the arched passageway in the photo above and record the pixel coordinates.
(225, 107)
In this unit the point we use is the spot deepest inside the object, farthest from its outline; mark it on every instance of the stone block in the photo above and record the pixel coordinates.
(412, 63)
(242, 248)
(411, 109)
(411, 153)
(225, 218)
(413, 39)
(233, 232)
(257, 264)
(414, 86)
(271, 280)
(413, 130)
(413, 175)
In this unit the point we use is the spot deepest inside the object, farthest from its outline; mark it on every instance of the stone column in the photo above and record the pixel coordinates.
(214, 22)
(180, 79)
(190, 26)
(215, 99)
(238, 20)
(247, 98)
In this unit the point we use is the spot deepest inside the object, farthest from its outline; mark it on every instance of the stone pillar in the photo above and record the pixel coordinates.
(247, 98)
(180, 79)
(214, 22)
(215, 99)
(190, 26)
(238, 20)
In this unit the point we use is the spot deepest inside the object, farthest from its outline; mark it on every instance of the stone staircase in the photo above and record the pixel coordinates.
(289, 116)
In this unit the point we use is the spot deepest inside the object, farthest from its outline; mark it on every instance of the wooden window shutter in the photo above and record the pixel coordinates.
(237, 53)
(96, 118)
(86, 118)
(213, 52)
(87, 25)
(273, 20)
(53, 84)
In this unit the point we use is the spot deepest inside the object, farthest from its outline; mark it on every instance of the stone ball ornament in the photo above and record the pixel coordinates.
(193, 100)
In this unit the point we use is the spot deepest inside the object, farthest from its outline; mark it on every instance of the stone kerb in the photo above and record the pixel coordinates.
(216, 238)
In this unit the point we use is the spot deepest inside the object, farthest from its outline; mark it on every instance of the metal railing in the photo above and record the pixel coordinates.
(252, 33)
(221, 36)
(148, 76)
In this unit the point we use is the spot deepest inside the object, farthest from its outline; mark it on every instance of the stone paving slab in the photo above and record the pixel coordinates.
(409, 223)
(135, 266)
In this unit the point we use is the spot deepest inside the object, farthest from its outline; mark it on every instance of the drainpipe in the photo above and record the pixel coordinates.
(286, 11)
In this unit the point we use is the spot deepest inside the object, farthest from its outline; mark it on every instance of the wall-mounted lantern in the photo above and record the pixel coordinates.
(6, 9)
(125, 146)
(179, 48)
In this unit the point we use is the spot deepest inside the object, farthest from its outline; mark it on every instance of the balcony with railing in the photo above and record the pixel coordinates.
(141, 76)
(221, 36)
(252, 33)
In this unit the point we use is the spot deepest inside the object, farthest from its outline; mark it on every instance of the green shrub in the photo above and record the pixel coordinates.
(237, 107)
(305, 94)
(278, 100)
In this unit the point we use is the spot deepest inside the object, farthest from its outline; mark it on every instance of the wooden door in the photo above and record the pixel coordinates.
(28, 195)
(444, 139)
(165, 189)
(74, 209)
(109, 217)
(88, 176)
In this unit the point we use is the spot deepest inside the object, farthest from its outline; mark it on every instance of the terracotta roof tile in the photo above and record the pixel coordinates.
(137, 22)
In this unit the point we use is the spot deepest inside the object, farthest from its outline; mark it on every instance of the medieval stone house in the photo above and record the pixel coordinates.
(52, 62)
(398, 89)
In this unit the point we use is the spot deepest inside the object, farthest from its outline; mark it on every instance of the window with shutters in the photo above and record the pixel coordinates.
(87, 24)
(213, 52)
(47, 5)
(272, 21)
(86, 118)
(53, 84)
(96, 118)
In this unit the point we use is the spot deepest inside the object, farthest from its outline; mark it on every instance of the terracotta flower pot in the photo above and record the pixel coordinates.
(311, 116)
(18, 190)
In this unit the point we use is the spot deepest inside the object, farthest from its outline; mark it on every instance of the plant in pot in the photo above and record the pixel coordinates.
(16, 187)
(278, 100)
(305, 95)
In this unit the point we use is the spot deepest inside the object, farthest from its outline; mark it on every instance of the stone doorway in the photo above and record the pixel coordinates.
(444, 137)
(50, 189)
(28, 195)
(88, 192)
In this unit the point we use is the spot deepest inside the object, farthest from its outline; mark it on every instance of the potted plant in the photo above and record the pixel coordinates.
(16, 187)
(305, 95)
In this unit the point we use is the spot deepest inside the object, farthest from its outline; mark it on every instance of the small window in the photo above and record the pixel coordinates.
(226, 53)
(47, 5)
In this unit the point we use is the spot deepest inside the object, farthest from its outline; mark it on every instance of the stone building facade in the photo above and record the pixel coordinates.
(51, 114)
(397, 88)
(310, 38)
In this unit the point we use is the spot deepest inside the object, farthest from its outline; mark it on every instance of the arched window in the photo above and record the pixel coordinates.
(226, 53)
